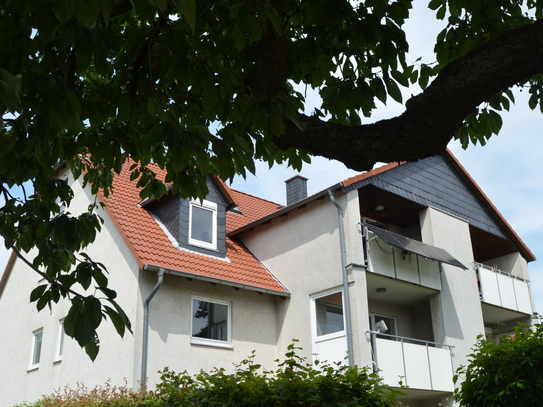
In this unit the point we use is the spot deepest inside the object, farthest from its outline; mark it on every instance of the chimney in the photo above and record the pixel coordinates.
(296, 189)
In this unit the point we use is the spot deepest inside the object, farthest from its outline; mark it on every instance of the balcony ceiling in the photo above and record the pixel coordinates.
(397, 291)
(396, 210)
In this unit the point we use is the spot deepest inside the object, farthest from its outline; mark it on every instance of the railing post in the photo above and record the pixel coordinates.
(374, 347)
(404, 366)
(429, 366)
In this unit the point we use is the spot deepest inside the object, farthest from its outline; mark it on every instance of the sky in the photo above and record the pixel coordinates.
(508, 168)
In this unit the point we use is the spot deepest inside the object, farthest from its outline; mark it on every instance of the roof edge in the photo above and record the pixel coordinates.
(284, 210)
(489, 205)
(214, 280)
(7, 271)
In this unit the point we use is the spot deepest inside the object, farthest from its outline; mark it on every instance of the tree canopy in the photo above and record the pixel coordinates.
(208, 87)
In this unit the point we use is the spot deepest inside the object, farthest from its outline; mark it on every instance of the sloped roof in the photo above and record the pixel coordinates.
(152, 248)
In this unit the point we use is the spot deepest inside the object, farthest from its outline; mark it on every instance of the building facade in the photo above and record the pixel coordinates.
(399, 268)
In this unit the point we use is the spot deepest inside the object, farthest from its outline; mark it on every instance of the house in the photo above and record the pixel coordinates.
(399, 268)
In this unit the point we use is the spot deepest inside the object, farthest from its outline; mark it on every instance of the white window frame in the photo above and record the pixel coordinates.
(325, 337)
(206, 341)
(33, 363)
(61, 341)
(210, 206)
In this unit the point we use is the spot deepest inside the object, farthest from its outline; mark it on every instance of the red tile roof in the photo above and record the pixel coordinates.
(151, 246)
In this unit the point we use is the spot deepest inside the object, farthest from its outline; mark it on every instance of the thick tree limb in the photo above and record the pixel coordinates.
(431, 118)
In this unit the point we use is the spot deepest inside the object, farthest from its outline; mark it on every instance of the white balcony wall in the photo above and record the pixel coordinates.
(504, 290)
(396, 263)
(416, 366)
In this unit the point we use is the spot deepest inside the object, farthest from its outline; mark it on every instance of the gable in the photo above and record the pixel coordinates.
(434, 182)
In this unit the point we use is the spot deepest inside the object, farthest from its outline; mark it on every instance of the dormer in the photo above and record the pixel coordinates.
(193, 224)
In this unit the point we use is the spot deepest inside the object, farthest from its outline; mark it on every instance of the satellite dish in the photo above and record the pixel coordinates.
(380, 327)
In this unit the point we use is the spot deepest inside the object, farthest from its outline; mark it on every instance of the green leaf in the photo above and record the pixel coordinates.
(87, 11)
(92, 348)
(188, 10)
(116, 319)
(394, 90)
(64, 10)
(210, 96)
(37, 292)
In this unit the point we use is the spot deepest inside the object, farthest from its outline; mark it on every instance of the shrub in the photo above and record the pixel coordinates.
(294, 383)
(100, 396)
(508, 373)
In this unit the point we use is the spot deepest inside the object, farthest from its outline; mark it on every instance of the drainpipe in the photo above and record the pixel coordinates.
(145, 343)
(348, 324)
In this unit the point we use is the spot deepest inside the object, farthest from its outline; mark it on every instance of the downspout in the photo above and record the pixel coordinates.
(348, 323)
(145, 342)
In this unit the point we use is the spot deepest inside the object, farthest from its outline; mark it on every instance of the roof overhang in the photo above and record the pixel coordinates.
(213, 280)
(414, 246)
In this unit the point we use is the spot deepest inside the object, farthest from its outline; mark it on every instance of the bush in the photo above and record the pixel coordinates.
(100, 396)
(508, 373)
(294, 383)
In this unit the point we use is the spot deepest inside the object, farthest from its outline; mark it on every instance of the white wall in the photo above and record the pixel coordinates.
(19, 319)
(253, 327)
(456, 312)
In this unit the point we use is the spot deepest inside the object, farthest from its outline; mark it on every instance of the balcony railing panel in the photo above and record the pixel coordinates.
(416, 364)
(504, 289)
(396, 263)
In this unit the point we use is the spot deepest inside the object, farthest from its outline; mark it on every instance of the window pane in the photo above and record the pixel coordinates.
(329, 310)
(210, 320)
(202, 224)
(61, 340)
(37, 347)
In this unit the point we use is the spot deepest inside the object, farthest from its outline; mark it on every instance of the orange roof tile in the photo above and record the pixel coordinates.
(151, 246)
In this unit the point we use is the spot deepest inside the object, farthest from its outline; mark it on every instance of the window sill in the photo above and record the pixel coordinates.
(57, 360)
(211, 342)
(33, 368)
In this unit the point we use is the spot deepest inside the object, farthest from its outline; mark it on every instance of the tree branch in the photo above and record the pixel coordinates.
(41, 273)
(431, 118)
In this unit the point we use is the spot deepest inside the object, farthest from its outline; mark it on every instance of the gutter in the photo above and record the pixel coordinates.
(145, 341)
(213, 280)
(348, 322)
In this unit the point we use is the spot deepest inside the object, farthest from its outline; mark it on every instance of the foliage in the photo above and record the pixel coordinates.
(100, 396)
(208, 87)
(294, 383)
(507, 373)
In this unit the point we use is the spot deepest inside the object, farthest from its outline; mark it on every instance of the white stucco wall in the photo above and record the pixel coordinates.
(303, 251)
(456, 311)
(253, 327)
(19, 319)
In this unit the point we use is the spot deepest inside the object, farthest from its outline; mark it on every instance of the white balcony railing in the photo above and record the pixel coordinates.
(503, 289)
(416, 364)
(401, 265)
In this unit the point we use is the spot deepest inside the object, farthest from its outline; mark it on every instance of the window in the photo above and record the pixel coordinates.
(203, 224)
(60, 349)
(210, 322)
(329, 314)
(36, 348)
(382, 324)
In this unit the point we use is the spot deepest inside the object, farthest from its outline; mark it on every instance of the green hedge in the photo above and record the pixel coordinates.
(293, 383)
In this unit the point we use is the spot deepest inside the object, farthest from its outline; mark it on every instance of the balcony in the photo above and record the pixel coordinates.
(501, 289)
(416, 364)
